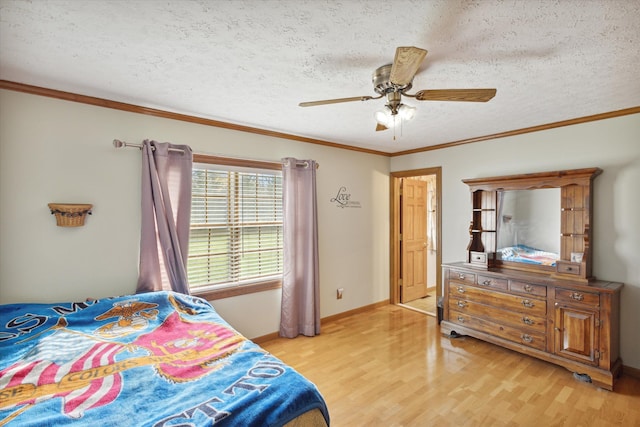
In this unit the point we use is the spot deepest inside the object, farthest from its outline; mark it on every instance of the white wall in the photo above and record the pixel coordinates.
(59, 151)
(612, 145)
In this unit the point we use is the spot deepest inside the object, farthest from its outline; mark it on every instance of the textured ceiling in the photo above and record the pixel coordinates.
(251, 62)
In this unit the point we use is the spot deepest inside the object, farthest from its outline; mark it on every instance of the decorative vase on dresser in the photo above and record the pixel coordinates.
(526, 283)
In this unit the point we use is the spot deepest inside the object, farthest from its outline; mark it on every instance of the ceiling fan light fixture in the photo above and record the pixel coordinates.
(406, 112)
(389, 118)
(384, 116)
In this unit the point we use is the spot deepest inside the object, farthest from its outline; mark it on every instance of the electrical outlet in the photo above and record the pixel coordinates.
(339, 293)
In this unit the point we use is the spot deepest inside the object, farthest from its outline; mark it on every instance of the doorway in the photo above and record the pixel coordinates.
(416, 226)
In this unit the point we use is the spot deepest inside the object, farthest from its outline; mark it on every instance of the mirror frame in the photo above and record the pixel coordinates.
(576, 196)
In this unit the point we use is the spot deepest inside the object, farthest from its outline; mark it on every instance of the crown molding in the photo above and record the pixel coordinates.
(106, 103)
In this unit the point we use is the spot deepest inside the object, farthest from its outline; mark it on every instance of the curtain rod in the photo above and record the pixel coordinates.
(120, 144)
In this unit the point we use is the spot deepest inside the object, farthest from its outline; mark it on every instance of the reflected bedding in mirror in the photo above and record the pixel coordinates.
(527, 254)
(529, 226)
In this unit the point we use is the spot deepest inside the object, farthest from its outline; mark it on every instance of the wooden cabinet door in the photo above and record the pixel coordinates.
(577, 334)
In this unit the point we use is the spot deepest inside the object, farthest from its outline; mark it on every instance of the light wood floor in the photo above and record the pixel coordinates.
(427, 304)
(391, 367)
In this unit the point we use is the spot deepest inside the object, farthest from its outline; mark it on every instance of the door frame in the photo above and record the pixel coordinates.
(394, 229)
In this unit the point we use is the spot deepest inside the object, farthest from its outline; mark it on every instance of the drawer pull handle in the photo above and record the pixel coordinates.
(577, 296)
(526, 338)
(528, 303)
(462, 304)
(527, 321)
(528, 288)
(460, 319)
(460, 276)
(487, 283)
(461, 289)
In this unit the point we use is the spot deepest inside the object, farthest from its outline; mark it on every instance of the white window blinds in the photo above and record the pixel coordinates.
(236, 227)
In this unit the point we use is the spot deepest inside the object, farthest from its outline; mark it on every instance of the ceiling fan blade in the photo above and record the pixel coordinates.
(380, 127)
(406, 64)
(335, 101)
(469, 95)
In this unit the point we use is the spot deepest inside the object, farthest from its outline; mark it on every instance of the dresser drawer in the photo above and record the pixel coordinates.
(492, 282)
(519, 320)
(459, 276)
(581, 297)
(525, 305)
(478, 258)
(528, 288)
(529, 338)
(568, 268)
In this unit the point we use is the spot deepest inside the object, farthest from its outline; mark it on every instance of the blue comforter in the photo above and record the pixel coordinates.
(156, 359)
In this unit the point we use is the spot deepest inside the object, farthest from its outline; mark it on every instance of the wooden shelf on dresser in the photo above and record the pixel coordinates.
(570, 323)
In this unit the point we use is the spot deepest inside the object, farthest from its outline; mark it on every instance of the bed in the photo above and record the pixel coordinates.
(155, 359)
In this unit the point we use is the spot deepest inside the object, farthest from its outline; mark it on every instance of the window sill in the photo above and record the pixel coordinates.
(211, 295)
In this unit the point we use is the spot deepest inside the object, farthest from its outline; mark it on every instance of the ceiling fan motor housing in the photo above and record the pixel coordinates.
(382, 84)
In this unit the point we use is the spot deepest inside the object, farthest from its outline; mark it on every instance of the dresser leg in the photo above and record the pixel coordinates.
(582, 377)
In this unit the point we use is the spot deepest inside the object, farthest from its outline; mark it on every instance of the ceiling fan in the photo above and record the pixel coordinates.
(394, 80)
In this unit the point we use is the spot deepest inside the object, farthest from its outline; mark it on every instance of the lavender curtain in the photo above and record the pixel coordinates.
(300, 312)
(166, 214)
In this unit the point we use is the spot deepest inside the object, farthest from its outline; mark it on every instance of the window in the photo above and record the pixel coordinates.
(236, 238)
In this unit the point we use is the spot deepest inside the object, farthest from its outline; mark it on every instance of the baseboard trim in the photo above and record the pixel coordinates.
(631, 372)
(264, 338)
(358, 310)
(324, 320)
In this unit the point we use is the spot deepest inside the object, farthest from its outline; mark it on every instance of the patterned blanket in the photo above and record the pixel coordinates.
(157, 359)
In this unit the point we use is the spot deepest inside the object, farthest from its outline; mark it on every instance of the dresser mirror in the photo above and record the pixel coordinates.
(538, 222)
(528, 226)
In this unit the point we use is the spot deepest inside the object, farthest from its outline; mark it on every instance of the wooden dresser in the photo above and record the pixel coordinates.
(544, 303)
(574, 325)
